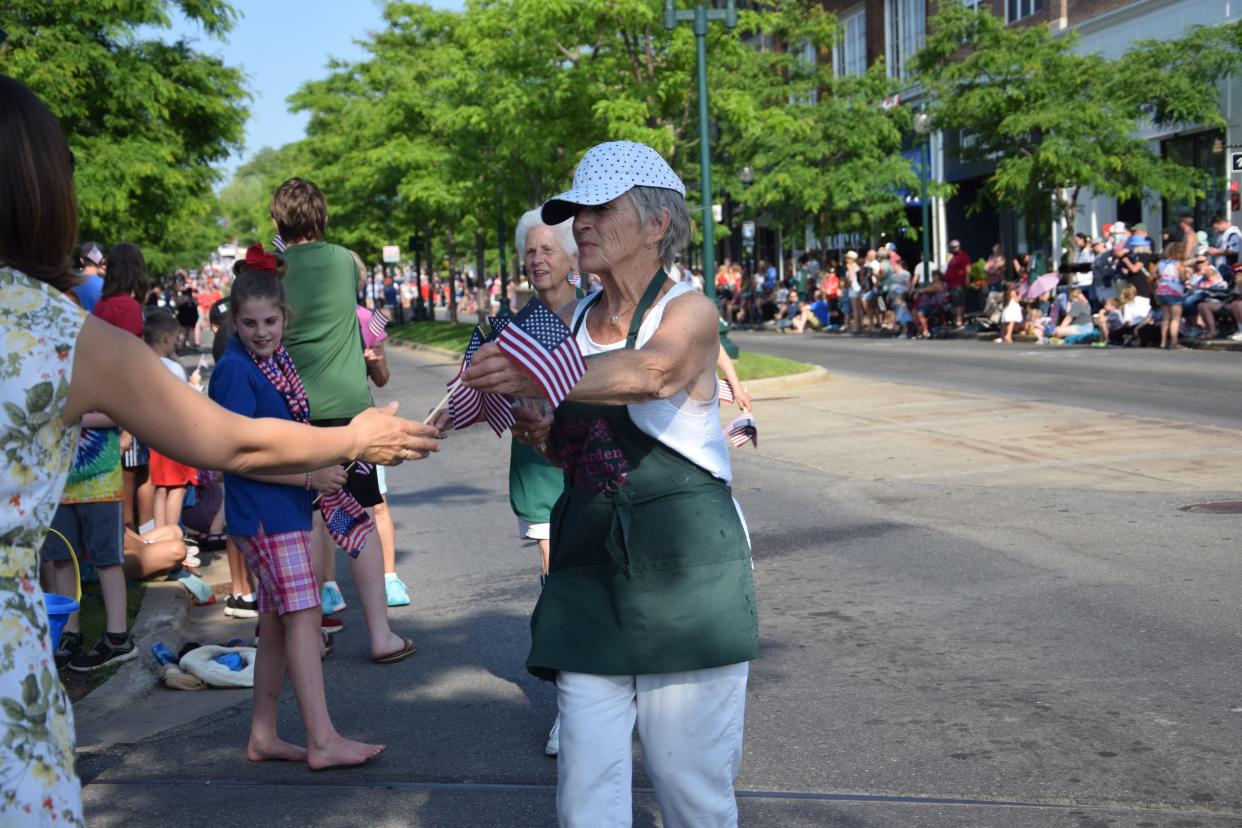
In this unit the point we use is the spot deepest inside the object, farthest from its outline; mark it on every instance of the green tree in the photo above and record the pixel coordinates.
(451, 115)
(823, 148)
(146, 119)
(1057, 120)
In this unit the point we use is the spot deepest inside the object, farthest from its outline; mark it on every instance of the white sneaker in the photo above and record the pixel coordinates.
(553, 745)
(1236, 337)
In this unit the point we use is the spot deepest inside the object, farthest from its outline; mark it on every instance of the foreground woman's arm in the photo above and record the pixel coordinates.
(114, 372)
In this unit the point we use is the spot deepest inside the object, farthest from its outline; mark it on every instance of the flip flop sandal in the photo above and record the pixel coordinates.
(400, 655)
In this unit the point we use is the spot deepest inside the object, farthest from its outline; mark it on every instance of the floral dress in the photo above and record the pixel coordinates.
(38, 329)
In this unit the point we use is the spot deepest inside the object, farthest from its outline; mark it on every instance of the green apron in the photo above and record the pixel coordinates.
(650, 566)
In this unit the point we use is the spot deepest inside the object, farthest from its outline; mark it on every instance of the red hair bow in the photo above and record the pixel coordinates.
(256, 259)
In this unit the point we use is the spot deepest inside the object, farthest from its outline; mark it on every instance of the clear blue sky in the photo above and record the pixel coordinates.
(280, 44)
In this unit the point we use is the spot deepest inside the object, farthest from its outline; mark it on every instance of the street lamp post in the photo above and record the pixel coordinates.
(747, 176)
(700, 17)
(504, 310)
(923, 126)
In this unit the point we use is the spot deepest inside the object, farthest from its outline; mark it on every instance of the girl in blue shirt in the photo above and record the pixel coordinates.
(269, 518)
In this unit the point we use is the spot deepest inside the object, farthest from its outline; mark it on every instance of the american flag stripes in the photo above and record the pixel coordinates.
(726, 390)
(499, 413)
(742, 431)
(347, 521)
(467, 406)
(278, 243)
(378, 323)
(541, 345)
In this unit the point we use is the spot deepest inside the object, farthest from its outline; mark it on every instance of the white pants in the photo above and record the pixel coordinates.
(690, 725)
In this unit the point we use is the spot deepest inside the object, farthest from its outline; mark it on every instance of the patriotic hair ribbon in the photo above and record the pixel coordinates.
(542, 345)
(742, 431)
(95, 254)
(278, 243)
(258, 259)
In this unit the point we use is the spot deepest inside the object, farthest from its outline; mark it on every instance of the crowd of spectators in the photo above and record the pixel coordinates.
(1121, 288)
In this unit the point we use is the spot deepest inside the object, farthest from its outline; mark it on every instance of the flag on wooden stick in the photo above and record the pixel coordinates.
(742, 431)
(544, 347)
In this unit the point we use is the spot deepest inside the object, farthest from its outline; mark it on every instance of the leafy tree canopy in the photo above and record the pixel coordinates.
(452, 114)
(145, 119)
(1056, 120)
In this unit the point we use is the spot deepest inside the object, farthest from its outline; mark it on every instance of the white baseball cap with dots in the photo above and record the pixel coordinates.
(607, 171)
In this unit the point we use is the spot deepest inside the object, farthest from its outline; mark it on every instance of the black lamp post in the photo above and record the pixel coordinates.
(923, 127)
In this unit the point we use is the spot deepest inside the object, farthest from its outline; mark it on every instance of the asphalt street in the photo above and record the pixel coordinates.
(932, 654)
(1188, 386)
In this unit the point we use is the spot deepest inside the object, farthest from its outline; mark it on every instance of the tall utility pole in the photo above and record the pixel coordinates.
(923, 127)
(700, 16)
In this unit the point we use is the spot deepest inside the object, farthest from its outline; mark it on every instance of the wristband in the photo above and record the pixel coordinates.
(308, 485)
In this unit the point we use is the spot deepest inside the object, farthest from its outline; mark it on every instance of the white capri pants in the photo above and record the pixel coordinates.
(690, 725)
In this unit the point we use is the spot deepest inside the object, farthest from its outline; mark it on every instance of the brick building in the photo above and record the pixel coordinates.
(896, 29)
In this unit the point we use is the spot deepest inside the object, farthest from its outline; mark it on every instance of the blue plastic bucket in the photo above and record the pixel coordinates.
(59, 608)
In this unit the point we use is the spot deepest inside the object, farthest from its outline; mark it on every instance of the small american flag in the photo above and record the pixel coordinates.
(95, 254)
(347, 521)
(575, 279)
(498, 323)
(278, 243)
(378, 323)
(541, 345)
(742, 431)
(467, 406)
(499, 413)
(726, 390)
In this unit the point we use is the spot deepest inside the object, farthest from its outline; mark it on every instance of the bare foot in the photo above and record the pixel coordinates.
(276, 750)
(341, 752)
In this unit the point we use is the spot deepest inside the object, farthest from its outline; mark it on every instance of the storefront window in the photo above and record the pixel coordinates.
(1204, 151)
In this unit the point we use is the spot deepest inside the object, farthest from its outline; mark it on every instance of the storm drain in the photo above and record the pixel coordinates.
(1220, 507)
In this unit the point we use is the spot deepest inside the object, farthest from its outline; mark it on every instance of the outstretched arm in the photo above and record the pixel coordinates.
(113, 372)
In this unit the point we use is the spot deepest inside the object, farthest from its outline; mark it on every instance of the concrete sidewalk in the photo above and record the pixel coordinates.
(167, 616)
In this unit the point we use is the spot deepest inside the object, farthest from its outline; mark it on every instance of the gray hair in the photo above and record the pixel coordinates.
(563, 232)
(649, 202)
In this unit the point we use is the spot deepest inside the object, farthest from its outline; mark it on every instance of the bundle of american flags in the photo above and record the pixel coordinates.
(540, 344)
(467, 406)
(543, 346)
(742, 431)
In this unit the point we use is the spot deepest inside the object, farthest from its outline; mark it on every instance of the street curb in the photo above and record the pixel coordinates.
(815, 376)
(165, 609)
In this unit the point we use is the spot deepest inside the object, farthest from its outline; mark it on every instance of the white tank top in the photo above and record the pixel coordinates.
(688, 426)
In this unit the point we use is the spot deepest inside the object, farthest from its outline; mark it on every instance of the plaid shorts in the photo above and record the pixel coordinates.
(281, 563)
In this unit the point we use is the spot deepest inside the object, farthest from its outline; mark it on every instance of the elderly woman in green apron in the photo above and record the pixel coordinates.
(549, 255)
(648, 613)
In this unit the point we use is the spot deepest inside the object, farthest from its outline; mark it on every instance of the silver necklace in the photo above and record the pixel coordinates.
(613, 319)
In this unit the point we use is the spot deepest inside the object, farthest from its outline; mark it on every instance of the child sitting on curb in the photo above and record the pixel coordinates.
(269, 518)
